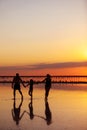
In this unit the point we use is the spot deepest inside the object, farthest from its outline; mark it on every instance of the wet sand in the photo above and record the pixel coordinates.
(64, 110)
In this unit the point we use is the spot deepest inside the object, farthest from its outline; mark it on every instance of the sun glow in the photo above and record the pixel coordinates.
(84, 53)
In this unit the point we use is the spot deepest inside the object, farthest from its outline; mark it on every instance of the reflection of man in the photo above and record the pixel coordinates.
(16, 112)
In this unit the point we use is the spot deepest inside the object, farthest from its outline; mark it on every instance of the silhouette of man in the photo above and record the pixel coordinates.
(47, 81)
(16, 112)
(16, 85)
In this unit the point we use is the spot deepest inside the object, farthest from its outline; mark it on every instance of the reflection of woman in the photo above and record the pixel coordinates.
(48, 114)
(16, 112)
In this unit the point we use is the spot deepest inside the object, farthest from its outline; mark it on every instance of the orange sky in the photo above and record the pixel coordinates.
(42, 32)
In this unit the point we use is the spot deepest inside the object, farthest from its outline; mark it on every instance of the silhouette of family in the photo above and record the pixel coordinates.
(17, 81)
(16, 111)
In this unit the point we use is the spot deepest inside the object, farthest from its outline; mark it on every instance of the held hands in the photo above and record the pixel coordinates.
(26, 85)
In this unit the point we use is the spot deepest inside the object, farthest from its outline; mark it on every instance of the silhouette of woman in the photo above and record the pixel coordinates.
(47, 81)
(16, 112)
(16, 85)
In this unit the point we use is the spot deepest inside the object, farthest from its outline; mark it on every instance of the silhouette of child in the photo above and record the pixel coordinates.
(31, 87)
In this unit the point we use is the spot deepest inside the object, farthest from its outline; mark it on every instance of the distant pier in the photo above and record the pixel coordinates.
(61, 79)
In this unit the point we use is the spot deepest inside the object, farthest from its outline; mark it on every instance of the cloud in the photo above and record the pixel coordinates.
(59, 65)
(46, 66)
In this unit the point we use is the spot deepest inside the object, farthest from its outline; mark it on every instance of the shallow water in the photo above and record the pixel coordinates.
(64, 110)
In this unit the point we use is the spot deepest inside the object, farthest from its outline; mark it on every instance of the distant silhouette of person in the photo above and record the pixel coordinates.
(30, 113)
(16, 85)
(16, 112)
(47, 81)
(30, 87)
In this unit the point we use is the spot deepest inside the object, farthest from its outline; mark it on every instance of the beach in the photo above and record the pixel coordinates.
(42, 40)
(64, 109)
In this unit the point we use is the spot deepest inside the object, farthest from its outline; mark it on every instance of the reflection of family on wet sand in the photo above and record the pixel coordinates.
(16, 111)
(17, 116)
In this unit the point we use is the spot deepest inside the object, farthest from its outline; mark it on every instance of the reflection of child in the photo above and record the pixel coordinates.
(31, 87)
(30, 113)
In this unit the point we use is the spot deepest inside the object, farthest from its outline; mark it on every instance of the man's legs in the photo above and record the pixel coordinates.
(21, 94)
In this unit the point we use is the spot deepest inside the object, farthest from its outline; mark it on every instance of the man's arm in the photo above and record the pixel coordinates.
(22, 82)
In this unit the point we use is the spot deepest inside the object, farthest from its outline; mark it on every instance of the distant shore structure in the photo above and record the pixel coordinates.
(61, 79)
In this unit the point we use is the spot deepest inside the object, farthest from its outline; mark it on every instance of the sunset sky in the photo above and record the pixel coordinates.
(42, 31)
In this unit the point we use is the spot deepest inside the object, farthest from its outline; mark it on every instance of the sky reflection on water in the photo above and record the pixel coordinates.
(63, 110)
